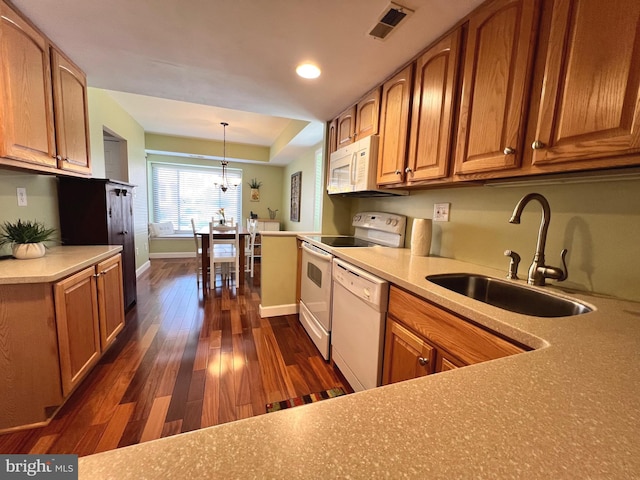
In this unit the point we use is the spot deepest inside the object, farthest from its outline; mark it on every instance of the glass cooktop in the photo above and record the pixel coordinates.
(345, 242)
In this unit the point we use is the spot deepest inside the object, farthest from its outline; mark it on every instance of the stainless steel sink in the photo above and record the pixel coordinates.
(509, 296)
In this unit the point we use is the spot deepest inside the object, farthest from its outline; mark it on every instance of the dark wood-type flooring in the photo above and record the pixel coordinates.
(183, 363)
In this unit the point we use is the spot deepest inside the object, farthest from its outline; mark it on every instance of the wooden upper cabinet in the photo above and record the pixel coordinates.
(394, 127)
(332, 140)
(590, 101)
(368, 114)
(346, 127)
(496, 77)
(434, 92)
(26, 113)
(71, 117)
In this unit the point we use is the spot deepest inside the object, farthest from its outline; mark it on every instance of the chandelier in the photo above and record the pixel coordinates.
(224, 181)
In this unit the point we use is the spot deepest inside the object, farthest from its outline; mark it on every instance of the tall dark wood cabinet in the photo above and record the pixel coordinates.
(100, 212)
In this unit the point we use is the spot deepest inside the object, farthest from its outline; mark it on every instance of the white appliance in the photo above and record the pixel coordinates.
(371, 229)
(353, 170)
(358, 316)
(315, 295)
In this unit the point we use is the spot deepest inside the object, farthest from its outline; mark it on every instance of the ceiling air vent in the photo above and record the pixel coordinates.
(389, 20)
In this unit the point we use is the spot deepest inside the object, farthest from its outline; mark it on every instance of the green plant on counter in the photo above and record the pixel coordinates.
(24, 232)
(254, 183)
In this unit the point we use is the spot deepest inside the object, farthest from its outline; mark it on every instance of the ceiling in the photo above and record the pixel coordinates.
(180, 68)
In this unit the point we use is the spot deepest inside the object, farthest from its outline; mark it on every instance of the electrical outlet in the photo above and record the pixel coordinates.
(441, 212)
(22, 196)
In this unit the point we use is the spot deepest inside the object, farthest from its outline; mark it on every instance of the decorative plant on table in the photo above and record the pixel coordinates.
(223, 220)
(26, 238)
(255, 185)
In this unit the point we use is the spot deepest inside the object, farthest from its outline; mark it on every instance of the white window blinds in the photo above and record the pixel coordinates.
(181, 192)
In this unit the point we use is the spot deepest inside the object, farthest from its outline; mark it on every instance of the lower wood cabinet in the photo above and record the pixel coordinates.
(422, 339)
(51, 335)
(89, 314)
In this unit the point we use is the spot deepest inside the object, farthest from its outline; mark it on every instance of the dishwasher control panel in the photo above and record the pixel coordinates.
(362, 284)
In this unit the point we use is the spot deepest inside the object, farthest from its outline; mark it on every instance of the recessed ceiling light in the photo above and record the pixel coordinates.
(308, 70)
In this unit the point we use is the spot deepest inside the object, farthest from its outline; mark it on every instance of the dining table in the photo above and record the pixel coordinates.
(203, 233)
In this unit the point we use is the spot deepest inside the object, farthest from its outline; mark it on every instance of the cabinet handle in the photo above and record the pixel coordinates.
(537, 145)
(407, 170)
(423, 361)
(125, 233)
(96, 275)
(58, 157)
(508, 151)
(398, 172)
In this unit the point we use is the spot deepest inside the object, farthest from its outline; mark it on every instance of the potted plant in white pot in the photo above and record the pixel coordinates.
(26, 238)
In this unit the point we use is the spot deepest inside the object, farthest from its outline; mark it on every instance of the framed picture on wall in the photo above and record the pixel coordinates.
(296, 186)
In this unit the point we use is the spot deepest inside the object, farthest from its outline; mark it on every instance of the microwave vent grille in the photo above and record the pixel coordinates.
(389, 20)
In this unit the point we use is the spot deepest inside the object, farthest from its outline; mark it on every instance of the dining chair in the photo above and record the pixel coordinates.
(223, 253)
(198, 253)
(252, 227)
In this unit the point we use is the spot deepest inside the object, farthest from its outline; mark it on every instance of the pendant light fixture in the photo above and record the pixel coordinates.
(224, 185)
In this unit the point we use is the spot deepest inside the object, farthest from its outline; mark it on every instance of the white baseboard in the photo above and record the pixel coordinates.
(143, 268)
(277, 310)
(172, 255)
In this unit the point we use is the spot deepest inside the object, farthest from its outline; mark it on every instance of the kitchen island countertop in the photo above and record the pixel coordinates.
(58, 262)
(570, 408)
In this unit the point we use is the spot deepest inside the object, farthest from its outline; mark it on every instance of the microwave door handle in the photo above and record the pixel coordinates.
(352, 167)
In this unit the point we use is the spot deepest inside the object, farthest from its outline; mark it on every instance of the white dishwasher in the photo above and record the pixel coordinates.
(358, 317)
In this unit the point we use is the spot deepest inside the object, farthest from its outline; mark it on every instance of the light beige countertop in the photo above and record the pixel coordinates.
(568, 409)
(57, 263)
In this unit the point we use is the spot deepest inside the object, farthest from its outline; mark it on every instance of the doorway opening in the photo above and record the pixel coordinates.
(116, 162)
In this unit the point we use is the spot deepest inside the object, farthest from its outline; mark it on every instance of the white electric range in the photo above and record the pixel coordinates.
(371, 229)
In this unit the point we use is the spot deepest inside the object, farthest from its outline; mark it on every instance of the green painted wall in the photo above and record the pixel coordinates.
(42, 199)
(278, 270)
(598, 222)
(104, 112)
(306, 165)
(165, 144)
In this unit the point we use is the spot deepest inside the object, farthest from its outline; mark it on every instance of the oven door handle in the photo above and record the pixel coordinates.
(326, 257)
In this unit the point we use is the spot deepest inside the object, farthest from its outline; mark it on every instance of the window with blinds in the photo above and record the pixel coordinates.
(182, 192)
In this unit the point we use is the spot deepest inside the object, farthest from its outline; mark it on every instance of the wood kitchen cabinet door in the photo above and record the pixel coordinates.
(496, 77)
(110, 299)
(590, 103)
(70, 107)
(394, 127)
(76, 303)
(26, 111)
(406, 355)
(332, 136)
(434, 93)
(346, 127)
(368, 114)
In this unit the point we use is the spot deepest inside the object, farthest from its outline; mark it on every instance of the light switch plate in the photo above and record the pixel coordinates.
(441, 212)
(22, 196)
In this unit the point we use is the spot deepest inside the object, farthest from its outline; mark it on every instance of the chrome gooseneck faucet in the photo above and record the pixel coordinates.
(538, 271)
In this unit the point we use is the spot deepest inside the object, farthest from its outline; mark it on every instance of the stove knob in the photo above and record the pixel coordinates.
(357, 218)
(388, 221)
(395, 222)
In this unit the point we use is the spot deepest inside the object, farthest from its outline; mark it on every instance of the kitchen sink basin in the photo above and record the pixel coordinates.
(509, 296)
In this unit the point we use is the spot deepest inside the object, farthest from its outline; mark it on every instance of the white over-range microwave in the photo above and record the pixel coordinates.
(352, 170)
